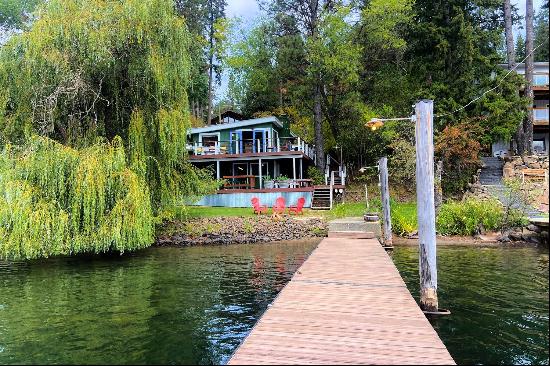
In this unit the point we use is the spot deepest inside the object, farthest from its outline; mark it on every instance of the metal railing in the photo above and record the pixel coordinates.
(329, 175)
(251, 146)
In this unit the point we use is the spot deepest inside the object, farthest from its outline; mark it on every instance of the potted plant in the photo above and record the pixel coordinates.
(369, 215)
(268, 182)
(283, 181)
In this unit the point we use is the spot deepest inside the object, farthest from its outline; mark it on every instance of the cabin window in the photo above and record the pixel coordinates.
(540, 80)
(539, 145)
(210, 139)
(247, 141)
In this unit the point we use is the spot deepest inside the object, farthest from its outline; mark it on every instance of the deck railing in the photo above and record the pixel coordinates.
(252, 146)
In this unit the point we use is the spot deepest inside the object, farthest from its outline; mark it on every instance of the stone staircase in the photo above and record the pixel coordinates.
(354, 228)
(491, 178)
(491, 171)
(500, 191)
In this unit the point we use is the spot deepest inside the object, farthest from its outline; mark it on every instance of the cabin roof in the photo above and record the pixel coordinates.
(538, 67)
(227, 113)
(239, 124)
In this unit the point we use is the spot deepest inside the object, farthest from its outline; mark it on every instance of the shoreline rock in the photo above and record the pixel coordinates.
(239, 230)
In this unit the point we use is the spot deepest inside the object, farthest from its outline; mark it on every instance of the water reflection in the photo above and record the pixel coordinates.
(498, 298)
(158, 306)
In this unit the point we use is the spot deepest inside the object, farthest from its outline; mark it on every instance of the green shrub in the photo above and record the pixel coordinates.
(402, 225)
(316, 175)
(403, 218)
(402, 163)
(469, 217)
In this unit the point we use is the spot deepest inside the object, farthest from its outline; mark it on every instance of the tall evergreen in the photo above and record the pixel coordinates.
(453, 48)
(541, 34)
(520, 48)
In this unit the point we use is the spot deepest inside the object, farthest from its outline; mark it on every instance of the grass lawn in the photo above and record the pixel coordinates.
(190, 212)
(405, 210)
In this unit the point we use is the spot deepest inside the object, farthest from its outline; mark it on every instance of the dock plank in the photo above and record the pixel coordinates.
(347, 304)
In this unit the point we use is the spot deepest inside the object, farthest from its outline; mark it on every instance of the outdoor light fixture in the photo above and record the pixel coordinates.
(374, 124)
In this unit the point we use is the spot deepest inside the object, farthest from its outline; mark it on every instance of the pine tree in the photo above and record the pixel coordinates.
(541, 34)
(520, 48)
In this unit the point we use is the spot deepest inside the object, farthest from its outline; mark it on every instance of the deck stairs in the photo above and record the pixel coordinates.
(322, 198)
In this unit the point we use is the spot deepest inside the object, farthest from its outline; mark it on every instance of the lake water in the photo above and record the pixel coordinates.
(498, 299)
(156, 306)
(195, 305)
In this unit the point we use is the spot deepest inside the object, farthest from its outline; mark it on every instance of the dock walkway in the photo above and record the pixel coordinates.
(347, 304)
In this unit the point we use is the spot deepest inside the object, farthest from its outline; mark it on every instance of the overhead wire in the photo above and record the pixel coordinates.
(412, 117)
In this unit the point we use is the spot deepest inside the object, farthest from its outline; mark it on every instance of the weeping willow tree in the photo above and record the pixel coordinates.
(58, 200)
(93, 123)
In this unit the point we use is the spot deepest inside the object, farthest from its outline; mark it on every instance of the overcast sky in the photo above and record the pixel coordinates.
(242, 8)
(249, 8)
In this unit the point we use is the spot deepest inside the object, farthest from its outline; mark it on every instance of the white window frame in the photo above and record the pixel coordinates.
(208, 134)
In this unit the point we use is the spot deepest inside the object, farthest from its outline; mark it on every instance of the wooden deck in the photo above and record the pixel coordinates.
(347, 304)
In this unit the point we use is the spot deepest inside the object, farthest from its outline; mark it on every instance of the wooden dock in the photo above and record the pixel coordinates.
(347, 304)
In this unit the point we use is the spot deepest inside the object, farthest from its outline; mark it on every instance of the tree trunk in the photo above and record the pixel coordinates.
(210, 72)
(511, 56)
(510, 49)
(528, 127)
(318, 124)
(211, 62)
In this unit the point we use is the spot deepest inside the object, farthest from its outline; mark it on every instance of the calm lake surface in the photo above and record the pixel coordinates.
(498, 298)
(156, 306)
(195, 305)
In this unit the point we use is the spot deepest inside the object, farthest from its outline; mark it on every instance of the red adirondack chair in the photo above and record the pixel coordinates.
(297, 209)
(258, 209)
(280, 205)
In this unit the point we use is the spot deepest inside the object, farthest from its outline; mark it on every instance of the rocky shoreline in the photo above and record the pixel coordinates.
(239, 230)
(263, 229)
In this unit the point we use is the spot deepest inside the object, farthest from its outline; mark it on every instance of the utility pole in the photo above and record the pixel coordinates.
(426, 206)
(385, 193)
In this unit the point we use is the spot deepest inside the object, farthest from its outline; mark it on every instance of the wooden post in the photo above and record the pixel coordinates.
(385, 193)
(217, 169)
(260, 171)
(367, 197)
(425, 205)
(438, 195)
